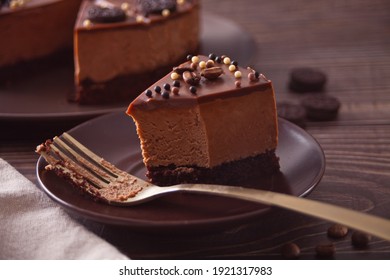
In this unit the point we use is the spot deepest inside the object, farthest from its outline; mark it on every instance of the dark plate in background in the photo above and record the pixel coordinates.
(113, 137)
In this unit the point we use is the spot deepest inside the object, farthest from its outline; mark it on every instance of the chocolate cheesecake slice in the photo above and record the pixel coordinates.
(121, 46)
(210, 120)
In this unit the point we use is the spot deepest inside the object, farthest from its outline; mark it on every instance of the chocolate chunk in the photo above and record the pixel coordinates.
(292, 112)
(325, 250)
(291, 251)
(307, 80)
(100, 14)
(321, 107)
(156, 6)
(360, 239)
(337, 231)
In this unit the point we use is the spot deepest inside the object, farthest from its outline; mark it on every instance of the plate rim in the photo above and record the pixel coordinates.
(154, 224)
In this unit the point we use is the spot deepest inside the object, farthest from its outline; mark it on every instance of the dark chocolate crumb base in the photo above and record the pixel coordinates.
(120, 89)
(240, 172)
(15, 74)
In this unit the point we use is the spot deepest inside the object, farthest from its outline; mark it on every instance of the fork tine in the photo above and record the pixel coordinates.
(66, 169)
(105, 165)
(76, 167)
(94, 167)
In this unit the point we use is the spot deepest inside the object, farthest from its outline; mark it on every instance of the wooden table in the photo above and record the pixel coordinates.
(350, 41)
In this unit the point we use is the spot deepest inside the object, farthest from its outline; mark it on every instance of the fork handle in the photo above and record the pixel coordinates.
(370, 224)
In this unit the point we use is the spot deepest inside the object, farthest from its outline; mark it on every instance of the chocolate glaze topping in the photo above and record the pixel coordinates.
(216, 82)
(137, 12)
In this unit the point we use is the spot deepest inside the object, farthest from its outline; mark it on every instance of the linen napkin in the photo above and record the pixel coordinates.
(34, 227)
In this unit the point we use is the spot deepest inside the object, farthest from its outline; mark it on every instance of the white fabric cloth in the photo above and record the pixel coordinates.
(34, 227)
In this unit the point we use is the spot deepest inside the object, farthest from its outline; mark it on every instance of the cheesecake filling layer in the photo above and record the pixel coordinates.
(208, 135)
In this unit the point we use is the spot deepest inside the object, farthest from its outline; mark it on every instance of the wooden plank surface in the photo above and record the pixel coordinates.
(350, 41)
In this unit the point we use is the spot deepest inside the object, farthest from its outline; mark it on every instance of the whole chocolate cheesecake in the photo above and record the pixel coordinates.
(210, 120)
(121, 46)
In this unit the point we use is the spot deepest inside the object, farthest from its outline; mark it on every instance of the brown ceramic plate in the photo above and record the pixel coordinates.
(43, 95)
(114, 138)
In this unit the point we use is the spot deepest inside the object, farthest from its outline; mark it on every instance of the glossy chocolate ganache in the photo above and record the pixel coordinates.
(202, 79)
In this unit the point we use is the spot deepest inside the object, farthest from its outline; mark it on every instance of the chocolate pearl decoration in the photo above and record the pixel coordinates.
(235, 63)
(189, 57)
(193, 89)
(157, 89)
(202, 64)
(148, 93)
(175, 76)
(167, 86)
(252, 77)
(210, 63)
(232, 68)
(291, 251)
(212, 56)
(226, 60)
(165, 94)
(218, 59)
(176, 83)
(175, 90)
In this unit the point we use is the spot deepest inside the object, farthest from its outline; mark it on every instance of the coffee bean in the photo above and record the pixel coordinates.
(325, 250)
(307, 79)
(290, 251)
(337, 231)
(106, 14)
(360, 239)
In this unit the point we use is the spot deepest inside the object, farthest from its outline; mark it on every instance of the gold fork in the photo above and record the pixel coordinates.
(105, 182)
